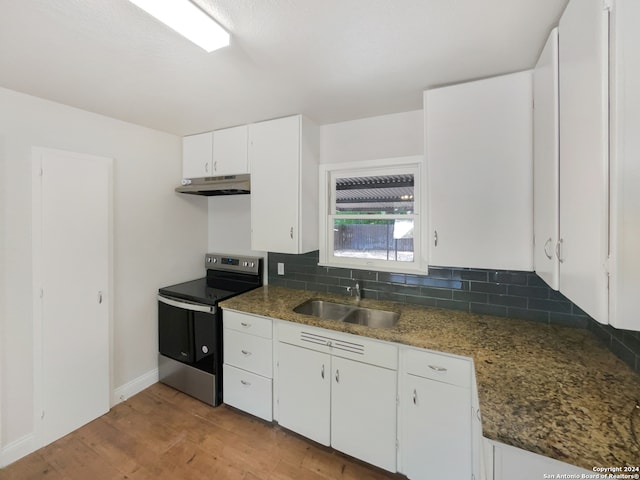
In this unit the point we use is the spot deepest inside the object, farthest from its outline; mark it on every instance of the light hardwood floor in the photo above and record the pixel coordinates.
(163, 434)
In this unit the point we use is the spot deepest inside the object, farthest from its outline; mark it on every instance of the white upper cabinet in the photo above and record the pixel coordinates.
(197, 155)
(283, 155)
(625, 165)
(230, 154)
(479, 156)
(546, 167)
(584, 205)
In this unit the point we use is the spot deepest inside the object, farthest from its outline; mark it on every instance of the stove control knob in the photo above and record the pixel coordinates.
(214, 259)
(245, 264)
(205, 349)
(252, 264)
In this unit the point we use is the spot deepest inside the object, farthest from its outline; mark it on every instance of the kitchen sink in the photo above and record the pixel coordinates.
(341, 312)
(372, 318)
(324, 309)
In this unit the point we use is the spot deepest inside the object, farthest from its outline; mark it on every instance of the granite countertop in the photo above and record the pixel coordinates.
(552, 390)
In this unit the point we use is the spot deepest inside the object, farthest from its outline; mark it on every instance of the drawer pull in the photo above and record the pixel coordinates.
(245, 353)
(245, 324)
(245, 383)
(438, 369)
(322, 372)
(337, 376)
(415, 397)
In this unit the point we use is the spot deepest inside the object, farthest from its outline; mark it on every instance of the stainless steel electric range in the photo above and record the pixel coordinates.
(190, 324)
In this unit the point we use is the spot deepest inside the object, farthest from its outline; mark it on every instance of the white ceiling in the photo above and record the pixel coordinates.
(331, 60)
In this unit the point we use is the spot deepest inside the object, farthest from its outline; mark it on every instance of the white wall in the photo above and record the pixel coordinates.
(159, 238)
(385, 136)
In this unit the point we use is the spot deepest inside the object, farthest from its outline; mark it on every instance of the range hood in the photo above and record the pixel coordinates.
(211, 186)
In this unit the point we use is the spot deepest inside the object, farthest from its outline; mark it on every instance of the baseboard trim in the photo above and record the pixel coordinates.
(17, 449)
(129, 389)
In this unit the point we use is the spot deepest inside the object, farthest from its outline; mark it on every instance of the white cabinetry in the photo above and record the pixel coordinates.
(511, 462)
(230, 151)
(283, 155)
(625, 167)
(546, 167)
(339, 390)
(248, 360)
(197, 155)
(304, 392)
(584, 203)
(436, 416)
(478, 147)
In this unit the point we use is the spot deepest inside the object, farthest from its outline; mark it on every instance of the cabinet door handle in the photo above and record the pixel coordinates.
(206, 167)
(437, 368)
(291, 233)
(547, 244)
(337, 376)
(435, 238)
(559, 250)
(415, 397)
(245, 325)
(322, 372)
(215, 166)
(100, 297)
(245, 353)
(245, 383)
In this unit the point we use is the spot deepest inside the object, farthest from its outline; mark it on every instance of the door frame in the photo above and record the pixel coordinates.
(37, 278)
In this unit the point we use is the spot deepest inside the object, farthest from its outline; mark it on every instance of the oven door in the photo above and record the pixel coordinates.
(186, 331)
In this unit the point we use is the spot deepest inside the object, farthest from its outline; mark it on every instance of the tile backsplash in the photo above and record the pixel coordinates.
(503, 293)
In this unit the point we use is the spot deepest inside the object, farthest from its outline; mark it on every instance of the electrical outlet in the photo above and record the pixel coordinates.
(280, 268)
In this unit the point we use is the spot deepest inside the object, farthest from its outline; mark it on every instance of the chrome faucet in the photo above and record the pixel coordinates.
(356, 289)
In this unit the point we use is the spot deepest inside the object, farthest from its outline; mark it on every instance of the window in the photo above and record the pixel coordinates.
(370, 215)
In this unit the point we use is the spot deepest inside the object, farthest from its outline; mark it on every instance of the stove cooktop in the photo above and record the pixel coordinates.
(198, 291)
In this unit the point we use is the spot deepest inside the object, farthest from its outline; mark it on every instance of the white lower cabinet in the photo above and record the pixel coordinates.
(363, 411)
(436, 408)
(348, 403)
(304, 392)
(511, 462)
(248, 363)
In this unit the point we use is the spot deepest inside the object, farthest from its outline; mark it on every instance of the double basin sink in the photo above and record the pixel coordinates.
(341, 312)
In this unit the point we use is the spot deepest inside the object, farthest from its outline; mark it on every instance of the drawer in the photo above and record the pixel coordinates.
(248, 352)
(455, 371)
(244, 322)
(248, 392)
(345, 345)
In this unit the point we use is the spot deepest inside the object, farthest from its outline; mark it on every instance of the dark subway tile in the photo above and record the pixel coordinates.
(338, 290)
(364, 275)
(524, 314)
(549, 305)
(296, 284)
(452, 305)
(277, 281)
(338, 272)
(624, 353)
(433, 282)
(474, 275)
(475, 297)
(391, 277)
(512, 278)
(436, 293)
(568, 320)
(531, 292)
(370, 294)
(535, 281)
(420, 300)
(507, 301)
(440, 272)
(488, 288)
(392, 297)
(556, 295)
(600, 332)
(316, 287)
(488, 309)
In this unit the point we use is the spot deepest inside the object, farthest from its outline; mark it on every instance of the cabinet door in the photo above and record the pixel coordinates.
(436, 430)
(546, 167)
(511, 462)
(197, 152)
(230, 155)
(478, 148)
(363, 412)
(304, 398)
(584, 148)
(274, 156)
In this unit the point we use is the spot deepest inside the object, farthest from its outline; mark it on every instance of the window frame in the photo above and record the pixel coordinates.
(390, 166)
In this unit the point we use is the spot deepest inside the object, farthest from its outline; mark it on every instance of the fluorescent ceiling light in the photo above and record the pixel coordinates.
(188, 20)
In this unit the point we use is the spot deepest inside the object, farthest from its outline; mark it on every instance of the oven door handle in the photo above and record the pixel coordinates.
(194, 307)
